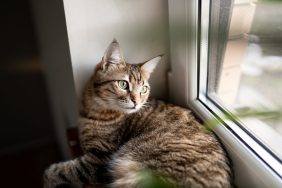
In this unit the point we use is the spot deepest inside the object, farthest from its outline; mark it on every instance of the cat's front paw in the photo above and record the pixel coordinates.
(49, 177)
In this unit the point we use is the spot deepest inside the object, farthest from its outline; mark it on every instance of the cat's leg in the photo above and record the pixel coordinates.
(76, 171)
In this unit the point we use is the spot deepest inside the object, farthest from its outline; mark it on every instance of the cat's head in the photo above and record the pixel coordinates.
(120, 86)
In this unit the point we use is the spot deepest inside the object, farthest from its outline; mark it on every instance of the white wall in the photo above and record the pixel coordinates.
(140, 26)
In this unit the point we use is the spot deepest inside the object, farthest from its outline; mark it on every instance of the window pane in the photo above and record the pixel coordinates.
(245, 64)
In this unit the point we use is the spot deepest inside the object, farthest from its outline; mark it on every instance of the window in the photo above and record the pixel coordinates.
(227, 60)
(241, 70)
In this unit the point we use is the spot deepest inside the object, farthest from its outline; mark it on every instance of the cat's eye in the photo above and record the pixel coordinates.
(144, 89)
(123, 84)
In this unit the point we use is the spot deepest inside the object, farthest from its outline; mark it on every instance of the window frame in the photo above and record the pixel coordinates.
(253, 165)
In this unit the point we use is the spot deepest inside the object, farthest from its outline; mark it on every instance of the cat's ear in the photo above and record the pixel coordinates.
(150, 65)
(113, 54)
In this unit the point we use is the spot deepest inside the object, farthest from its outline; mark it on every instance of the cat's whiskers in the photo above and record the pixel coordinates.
(144, 105)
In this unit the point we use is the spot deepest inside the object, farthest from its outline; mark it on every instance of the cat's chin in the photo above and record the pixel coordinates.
(130, 110)
(126, 110)
(123, 110)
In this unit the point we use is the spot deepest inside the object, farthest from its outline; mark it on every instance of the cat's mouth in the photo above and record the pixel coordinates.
(131, 108)
(128, 108)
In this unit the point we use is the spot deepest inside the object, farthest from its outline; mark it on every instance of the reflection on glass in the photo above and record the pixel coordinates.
(247, 74)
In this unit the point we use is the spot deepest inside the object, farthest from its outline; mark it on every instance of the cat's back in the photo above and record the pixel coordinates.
(187, 151)
(160, 114)
(170, 123)
(164, 121)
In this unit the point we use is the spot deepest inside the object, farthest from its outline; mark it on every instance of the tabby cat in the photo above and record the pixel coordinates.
(123, 133)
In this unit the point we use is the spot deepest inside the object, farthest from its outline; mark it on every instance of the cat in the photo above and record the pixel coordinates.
(123, 133)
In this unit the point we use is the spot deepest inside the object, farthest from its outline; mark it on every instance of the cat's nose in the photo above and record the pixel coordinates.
(134, 102)
(133, 99)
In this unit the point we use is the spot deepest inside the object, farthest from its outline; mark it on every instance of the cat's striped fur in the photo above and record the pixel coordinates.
(123, 133)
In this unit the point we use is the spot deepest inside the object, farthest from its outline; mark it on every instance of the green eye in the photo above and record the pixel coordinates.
(144, 89)
(123, 84)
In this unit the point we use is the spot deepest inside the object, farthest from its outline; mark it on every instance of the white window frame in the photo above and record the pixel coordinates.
(252, 164)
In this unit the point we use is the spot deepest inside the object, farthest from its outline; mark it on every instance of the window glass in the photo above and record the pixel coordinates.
(245, 65)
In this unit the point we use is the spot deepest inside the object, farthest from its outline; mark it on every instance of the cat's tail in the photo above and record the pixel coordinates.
(76, 171)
